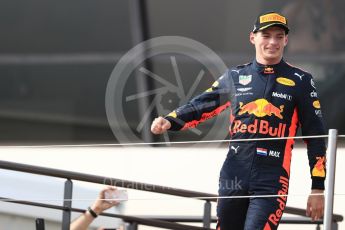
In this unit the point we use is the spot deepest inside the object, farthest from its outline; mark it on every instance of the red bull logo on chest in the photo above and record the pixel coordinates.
(260, 108)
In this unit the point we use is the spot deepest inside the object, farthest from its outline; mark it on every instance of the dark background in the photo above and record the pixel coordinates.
(56, 58)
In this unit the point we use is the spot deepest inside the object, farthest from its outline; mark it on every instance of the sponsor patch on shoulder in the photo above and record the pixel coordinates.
(285, 81)
(316, 104)
(244, 79)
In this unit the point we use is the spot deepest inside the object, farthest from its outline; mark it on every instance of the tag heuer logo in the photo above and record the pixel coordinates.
(244, 79)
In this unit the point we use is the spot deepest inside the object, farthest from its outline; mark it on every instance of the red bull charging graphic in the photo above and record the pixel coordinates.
(260, 108)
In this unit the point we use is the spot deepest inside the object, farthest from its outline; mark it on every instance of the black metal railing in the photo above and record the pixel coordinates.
(154, 221)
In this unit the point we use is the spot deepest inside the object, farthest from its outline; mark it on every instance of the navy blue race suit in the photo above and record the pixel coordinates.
(265, 102)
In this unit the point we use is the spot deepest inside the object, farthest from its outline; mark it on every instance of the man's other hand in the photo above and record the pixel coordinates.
(315, 205)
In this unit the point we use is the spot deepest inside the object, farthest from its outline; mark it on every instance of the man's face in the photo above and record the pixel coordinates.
(269, 44)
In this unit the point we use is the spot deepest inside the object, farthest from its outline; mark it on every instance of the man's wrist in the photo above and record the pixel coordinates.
(92, 212)
(96, 209)
(316, 191)
(176, 124)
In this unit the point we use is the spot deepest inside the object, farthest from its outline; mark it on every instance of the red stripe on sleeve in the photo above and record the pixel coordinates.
(205, 116)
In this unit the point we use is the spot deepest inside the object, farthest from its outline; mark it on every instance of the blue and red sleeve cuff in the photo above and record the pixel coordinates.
(176, 124)
(318, 183)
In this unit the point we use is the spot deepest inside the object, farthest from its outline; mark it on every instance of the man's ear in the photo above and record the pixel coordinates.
(251, 38)
(286, 40)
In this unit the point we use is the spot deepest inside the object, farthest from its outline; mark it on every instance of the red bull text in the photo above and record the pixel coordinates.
(259, 126)
(275, 217)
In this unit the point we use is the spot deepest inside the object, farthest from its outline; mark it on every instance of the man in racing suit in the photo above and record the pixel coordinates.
(268, 98)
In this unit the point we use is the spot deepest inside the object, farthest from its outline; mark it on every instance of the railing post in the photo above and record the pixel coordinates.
(40, 224)
(207, 214)
(330, 180)
(67, 204)
(334, 225)
(132, 226)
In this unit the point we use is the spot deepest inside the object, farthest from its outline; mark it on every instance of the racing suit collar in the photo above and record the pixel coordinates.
(267, 69)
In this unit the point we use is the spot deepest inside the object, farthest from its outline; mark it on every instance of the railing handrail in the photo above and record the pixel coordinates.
(126, 218)
(159, 220)
(127, 184)
(103, 180)
(198, 219)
